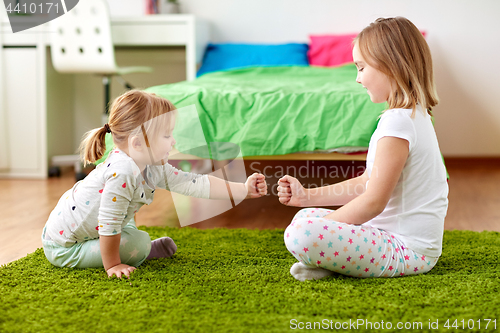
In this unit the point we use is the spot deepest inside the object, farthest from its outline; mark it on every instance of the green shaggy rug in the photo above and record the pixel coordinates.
(238, 280)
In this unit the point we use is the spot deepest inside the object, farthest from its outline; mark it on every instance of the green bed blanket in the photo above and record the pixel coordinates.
(275, 110)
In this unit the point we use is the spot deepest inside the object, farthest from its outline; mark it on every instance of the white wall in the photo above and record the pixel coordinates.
(463, 36)
(169, 66)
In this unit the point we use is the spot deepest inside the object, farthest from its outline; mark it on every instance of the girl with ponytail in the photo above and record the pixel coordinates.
(93, 223)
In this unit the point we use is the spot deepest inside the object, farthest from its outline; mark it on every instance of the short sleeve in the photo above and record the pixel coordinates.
(186, 183)
(398, 124)
(118, 191)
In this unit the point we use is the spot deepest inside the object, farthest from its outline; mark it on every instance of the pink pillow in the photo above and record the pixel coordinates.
(330, 50)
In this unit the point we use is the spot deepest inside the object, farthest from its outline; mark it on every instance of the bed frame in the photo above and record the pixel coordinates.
(175, 155)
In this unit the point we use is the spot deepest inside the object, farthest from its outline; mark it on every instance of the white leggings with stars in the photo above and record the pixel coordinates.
(354, 250)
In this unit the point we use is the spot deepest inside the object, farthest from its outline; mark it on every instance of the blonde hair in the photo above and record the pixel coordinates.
(398, 49)
(128, 113)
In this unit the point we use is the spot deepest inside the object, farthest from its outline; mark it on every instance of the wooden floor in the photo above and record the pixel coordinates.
(25, 204)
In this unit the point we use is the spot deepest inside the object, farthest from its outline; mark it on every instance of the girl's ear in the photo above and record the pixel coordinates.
(394, 86)
(135, 143)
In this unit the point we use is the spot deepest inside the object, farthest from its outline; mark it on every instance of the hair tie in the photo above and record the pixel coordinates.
(106, 127)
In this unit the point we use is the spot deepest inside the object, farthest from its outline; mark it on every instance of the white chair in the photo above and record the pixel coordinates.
(82, 43)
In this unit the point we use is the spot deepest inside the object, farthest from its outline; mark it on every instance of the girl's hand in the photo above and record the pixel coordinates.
(120, 269)
(291, 192)
(256, 186)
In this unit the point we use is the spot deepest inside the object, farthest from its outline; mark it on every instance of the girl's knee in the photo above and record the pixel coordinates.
(296, 233)
(135, 247)
(136, 236)
(302, 213)
(295, 226)
(312, 213)
(144, 237)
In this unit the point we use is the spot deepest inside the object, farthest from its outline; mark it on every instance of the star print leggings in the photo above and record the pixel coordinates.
(135, 246)
(354, 250)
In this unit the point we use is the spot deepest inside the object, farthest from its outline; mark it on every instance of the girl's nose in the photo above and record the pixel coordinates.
(358, 80)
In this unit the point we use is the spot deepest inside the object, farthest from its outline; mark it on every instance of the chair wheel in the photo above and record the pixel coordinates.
(54, 171)
(80, 176)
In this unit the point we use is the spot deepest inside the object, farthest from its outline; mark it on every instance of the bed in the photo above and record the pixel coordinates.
(274, 102)
(271, 103)
(276, 112)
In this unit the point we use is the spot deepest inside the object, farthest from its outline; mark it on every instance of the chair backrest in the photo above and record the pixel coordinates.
(82, 40)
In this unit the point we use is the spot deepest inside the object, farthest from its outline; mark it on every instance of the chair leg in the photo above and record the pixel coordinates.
(66, 160)
(124, 83)
(106, 81)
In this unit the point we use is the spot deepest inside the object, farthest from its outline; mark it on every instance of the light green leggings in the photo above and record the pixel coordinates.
(135, 246)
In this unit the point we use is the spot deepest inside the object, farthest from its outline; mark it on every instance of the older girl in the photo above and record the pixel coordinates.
(392, 217)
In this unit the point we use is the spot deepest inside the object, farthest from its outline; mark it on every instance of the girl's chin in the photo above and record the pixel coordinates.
(376, 100)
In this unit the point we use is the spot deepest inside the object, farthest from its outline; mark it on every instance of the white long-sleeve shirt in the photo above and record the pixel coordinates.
(107, 199)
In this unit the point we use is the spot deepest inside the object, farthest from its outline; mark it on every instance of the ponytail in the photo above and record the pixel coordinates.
(127, 113)
(93, 145)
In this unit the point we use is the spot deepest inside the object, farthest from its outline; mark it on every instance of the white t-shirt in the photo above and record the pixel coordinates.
(418, 205)
(107, 199)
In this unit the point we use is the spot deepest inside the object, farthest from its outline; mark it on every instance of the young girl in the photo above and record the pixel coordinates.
(93, 223)
(391, 221)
